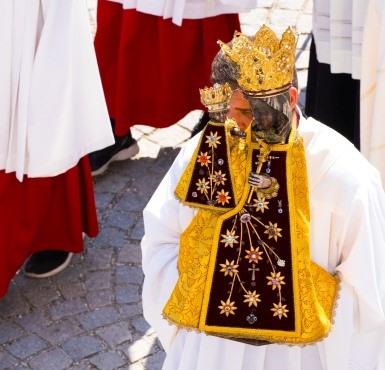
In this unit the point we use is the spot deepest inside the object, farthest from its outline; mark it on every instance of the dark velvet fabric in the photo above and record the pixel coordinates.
(333, 98)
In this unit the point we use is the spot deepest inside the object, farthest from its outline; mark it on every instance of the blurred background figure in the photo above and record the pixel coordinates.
(333, 85)
(52, 114)
(148, 52)
(345, 85)
(372, 128)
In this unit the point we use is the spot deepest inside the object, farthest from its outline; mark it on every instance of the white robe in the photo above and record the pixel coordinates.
(372, 107)
(347, 237)
(52, 106)
(350, 36)
(188, 9)
(337, 29)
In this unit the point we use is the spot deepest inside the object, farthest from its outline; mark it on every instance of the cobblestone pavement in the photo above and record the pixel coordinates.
(90, 315)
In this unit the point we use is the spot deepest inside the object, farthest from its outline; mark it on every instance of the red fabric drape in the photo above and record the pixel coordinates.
(44, 213)
(151, 69)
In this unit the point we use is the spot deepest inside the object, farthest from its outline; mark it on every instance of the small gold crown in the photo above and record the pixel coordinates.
(217, 97)
(266, 65)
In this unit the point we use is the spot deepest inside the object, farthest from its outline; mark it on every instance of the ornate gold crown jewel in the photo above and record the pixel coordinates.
(266, 65)
(217, 97)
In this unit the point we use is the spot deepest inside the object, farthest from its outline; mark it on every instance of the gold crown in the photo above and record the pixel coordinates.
(217, 97)
(266, 65)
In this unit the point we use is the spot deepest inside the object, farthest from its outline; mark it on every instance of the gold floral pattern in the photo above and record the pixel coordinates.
(253, 255)
(219, 178)
(252, 298)
(253, 246)
(204, 159)
(229, 238)
(223, 197)
(275, 280)
(229, 268)
(260, 204)
(211, 162)
(273, 231)
(227, 307)
(279, 310)
(203, 186)
(192, 303)
(213, 139)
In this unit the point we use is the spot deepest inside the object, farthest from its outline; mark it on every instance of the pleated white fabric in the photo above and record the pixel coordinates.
(347, 238)
(188, 9)
(52, 107)
(337, 28)
(372, 108)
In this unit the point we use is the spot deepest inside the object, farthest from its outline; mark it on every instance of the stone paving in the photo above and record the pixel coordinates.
(90, 315)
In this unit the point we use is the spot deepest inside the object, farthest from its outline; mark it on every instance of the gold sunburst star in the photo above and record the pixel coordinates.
(252, 298)
(219, 178)
(279, 310)
(227, 307)
(229, 238)
(223, 197)
(273, 231)
(260, 204)
(275, 280)
(204, 159)
(213, 139)
(202, 185)
(253, 255)
(229, 268)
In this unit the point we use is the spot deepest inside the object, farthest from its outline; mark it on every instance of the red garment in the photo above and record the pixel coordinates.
(152, 69)
(44, 213)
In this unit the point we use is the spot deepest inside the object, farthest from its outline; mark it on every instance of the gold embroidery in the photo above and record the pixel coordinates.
(260, 204)
(185, 303)
(213, 140)
(229, 238)
(207, 181)
(252, 298)
(229, 268)
(314, 290)
(279, 310)
(227, 307)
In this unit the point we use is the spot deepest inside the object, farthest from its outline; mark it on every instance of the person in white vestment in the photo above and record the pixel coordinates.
(52, 114)
(345, 79)
(347, 238)
(373, 86)
(335, 66)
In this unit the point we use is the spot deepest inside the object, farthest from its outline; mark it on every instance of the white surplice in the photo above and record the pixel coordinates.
(350, 36)
(52, 106)
(188, 9)
(372, 107)
(337, 29)
(347, 237)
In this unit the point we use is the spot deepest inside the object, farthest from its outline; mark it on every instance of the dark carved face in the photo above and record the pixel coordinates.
(269, 123)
